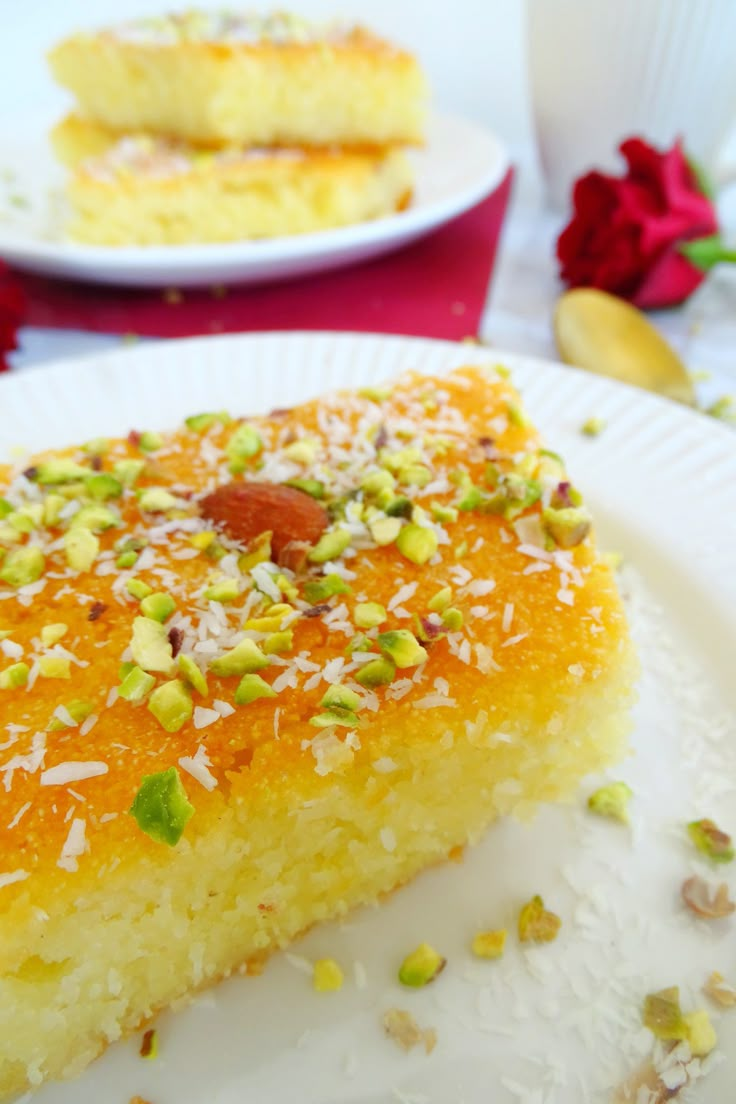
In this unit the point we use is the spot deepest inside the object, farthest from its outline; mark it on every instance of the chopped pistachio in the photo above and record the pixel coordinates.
(54, 667)
(159, 606)
(416, 543)
(335, 716)
(27, 518)
(663, 1016)
(472, 498)
(128, 471)
(243, 659)
(136, 588)
(22, 566)
(611, 801)
(340, 697)
(489, 944)
(517, 417)
(402, 647)
(569, 526)
(250, 688)
(98, 446)
(15, 676)
(440, 601)
(260, 552)
(192, 674)
(125, 669)
(385, 530)
(375, 394)
(156, 500)
(329, 546)
(54, 472)
(402, 458)
(613, 559)
(302, 452)
(136, 685)
(377, 672)
(102, 485)
(171, 704)
(97, 518)
(126, 559)
(52, 634)
(225, 591)
(398, 506)
(203, 540)
(279, 643)
(452, 619)
(441, 513)
(593, 427)
(327, 977)
(79, 710)
(151, 647)
(536, 923)
(53, 504)
(150, 441)
(313, 487)
(81, 547)
(710, 840)
(244, 443)
(368, 615)
(376, 482)
(5, 508)
(720, 991)
(421, 966)
(161, 807)
(319, 590)
(415, 475)
(700, 1033)
(200, 423)
(272, 621)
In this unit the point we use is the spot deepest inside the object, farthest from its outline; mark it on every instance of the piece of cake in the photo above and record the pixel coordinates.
(218, 77)
(141, 190)
(257, 672)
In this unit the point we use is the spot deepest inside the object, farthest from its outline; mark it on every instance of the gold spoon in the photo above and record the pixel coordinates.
(603, 334)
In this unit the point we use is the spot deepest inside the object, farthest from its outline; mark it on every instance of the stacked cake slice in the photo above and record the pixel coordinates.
(211, 126)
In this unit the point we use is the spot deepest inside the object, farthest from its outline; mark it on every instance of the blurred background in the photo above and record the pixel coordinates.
(472, 49)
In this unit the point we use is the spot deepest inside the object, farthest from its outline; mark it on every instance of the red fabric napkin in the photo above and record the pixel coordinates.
(436, 287)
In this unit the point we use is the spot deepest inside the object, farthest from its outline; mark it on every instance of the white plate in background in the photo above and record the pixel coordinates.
(460, 165)
(556, 1024)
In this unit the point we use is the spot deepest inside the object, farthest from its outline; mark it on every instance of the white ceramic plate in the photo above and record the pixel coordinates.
(461, 164)
(558, 1024)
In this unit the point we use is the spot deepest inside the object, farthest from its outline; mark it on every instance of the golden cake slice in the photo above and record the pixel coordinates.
(141, 190)
(257, 672)
(220, 77)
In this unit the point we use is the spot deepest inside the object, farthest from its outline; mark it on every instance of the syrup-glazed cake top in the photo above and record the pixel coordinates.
(186, 616)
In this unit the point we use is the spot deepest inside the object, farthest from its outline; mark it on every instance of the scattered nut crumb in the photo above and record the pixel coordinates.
(720, 991)
(593, 427)
(536, 923)
(172, 295)
(711, 840)
(701, 899)
(406, 1032)
(149, 1044)
(489, 944)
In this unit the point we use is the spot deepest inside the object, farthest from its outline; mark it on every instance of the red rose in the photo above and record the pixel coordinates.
(12, 304)
(627, 233)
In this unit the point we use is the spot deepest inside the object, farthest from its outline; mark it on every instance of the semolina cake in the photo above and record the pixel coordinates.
(145, 190)
(216, 77)
(256, 672)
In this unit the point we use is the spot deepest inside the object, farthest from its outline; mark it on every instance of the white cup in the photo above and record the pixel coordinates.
(604, 70)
